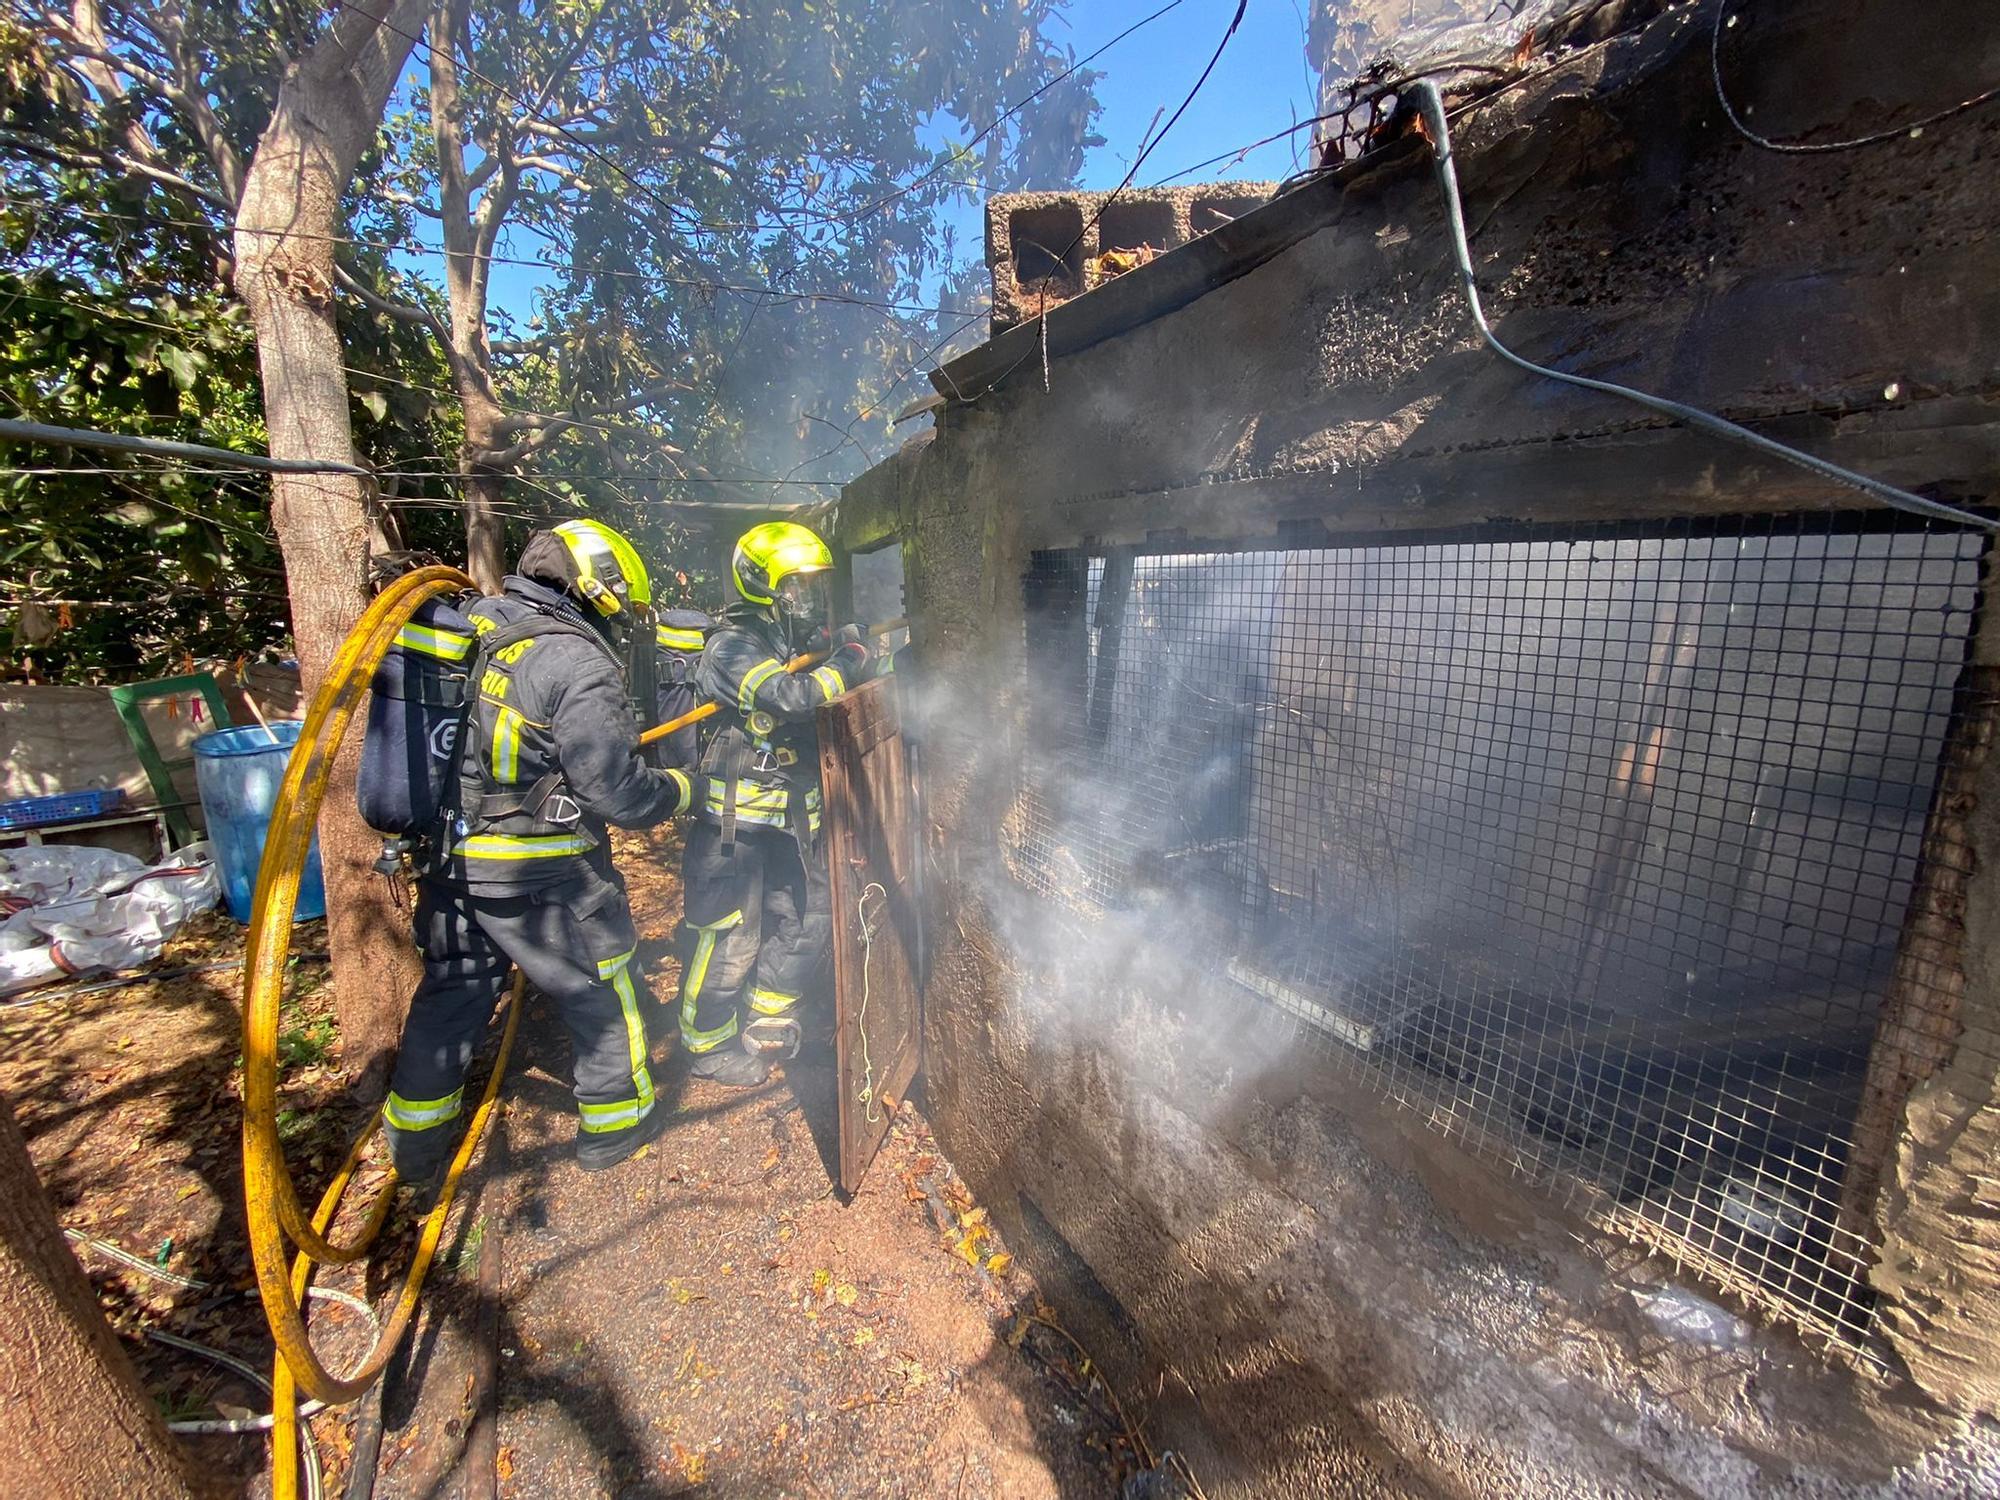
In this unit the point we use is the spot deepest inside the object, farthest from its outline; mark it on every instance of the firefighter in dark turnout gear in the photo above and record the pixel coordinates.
(759, 915)
(549, 757)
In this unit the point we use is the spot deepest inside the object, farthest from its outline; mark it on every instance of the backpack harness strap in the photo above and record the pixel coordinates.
(495, 805)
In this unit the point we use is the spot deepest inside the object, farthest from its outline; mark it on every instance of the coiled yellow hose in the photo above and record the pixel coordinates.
(271, 1197)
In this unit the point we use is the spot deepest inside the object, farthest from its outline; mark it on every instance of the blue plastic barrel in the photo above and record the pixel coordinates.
(239, 772)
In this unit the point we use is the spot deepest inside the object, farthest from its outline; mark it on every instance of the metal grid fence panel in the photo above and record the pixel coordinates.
(1599, 844)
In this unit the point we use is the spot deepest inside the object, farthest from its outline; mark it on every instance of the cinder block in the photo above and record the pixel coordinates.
(1045, 248)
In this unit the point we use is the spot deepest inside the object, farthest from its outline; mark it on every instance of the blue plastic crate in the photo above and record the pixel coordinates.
(32, 812)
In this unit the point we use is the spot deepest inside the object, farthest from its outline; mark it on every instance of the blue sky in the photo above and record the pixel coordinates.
(1259, 88)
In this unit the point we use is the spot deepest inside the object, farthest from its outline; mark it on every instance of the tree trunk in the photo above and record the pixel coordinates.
(485, 527)
(77, 1422)
(470, 234)
(327, 113)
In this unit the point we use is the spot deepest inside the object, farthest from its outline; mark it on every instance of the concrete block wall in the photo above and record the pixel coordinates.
(1045, 248)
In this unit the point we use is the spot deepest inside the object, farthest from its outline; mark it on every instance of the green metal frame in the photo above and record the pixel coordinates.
(159, 771)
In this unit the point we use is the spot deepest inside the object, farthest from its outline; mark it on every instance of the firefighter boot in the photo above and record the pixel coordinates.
(732, 1067)
(419, 1160)
(599, 1152)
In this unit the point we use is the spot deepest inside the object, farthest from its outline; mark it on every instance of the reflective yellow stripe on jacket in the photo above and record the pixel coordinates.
(767, 806)
(445, 645)
(673, 638)
(680, 779)
(506, 745)
(523, 845)
(756, 677)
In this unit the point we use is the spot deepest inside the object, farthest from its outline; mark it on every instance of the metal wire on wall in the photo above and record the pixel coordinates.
(1597, 843)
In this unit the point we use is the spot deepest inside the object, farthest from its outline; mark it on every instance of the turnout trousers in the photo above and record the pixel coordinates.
(759, 929)
(575, 942)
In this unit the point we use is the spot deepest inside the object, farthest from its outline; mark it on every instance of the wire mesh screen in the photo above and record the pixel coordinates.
(1598, 844)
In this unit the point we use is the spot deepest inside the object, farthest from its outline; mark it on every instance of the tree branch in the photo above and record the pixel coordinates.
(104, 156)
(389, 307)
(528, 421)
(516, 347)
(84, 38)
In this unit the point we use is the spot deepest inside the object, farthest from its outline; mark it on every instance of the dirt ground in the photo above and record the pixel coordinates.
(711, 1318)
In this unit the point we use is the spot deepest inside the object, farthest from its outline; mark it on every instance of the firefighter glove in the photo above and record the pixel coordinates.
(851, 660)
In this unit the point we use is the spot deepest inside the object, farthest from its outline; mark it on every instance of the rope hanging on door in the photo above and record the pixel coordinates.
(869, 927)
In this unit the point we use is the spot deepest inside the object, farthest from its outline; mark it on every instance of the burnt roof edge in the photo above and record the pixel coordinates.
(1191, 271)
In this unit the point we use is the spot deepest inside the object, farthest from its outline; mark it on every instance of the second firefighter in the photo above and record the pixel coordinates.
(758, 910)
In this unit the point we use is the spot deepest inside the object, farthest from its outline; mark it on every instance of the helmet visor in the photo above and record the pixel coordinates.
(802, 597)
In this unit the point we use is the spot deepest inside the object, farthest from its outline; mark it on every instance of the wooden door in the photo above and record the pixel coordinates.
(871, 852)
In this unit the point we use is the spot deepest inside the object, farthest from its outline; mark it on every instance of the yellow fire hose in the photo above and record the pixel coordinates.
(270, 1196)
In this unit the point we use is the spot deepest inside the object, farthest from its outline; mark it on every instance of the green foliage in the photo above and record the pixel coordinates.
(115, 567)
(686, 170)
(307, 1045)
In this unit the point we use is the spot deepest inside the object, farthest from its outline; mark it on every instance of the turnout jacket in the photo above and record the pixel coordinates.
(762, 765)
(551, 753)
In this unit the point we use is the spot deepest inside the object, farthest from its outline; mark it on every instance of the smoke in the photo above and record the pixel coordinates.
(1607, 840)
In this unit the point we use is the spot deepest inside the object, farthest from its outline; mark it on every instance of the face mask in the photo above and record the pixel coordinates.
(802, 599)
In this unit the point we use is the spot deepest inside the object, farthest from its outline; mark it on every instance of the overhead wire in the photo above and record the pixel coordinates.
(588, 423)
(162, 447)
(593, 423)
(779, 215)
(882, 398)
(1811, 148)
(47, 435)
(1431, 102)
(1011, 111)
(903, 375)
(587, 149)
(1148, 147)
(443, 476)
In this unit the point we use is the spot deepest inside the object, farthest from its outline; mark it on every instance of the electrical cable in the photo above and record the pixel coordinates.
(315, 1477)
(443, 475)
(1431, 102)
(230, 1426)
(1812, 148)
(1009, 113)
(397, 382)
(1242, 151)
(125, 1258)
(119, 442)
(1147, 148)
